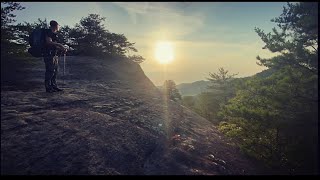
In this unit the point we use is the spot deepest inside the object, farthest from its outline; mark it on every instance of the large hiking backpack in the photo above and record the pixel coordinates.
(37, 42)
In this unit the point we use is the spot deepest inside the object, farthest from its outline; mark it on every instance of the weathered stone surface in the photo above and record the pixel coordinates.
(110, 120)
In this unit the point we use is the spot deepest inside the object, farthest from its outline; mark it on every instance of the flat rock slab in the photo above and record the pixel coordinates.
(110, 119)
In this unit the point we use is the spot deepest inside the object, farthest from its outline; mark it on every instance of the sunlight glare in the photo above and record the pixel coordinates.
(164, 52)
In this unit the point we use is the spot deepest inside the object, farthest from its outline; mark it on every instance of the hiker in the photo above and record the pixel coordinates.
(51, 50)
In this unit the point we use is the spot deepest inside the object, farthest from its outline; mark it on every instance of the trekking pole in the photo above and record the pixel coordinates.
(64, 66)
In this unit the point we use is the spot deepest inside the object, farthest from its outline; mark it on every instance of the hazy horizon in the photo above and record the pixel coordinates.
(204, 35)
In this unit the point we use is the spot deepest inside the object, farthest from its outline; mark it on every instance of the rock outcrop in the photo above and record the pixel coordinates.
(110, 119)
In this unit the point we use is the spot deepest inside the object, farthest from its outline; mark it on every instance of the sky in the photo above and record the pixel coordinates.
(204, 35)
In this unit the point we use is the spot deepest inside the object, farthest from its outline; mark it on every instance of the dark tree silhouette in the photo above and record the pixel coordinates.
(9, 47)
(170, 90)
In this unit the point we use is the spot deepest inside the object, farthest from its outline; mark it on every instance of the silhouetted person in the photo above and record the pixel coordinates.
(51, 50)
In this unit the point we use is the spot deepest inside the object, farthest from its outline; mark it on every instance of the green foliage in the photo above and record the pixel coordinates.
(220, 80)
(297, 43)
(222, 85)
(206, 106)
(274, 118)
(7, 17)
(188, 101)
(64, 35)
(136, 58)
(222, 89)
(170, 90)
(89, 37)
(9, 46)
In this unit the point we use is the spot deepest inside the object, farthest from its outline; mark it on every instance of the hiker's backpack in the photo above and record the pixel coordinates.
(37, 42)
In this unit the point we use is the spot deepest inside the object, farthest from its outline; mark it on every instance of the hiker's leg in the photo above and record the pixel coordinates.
(55, 71)
(55, 74)
(49, 72)
(48, 60)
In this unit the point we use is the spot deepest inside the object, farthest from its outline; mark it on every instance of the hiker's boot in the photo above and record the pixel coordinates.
(49, 90)
(56, 89)
(48, 87)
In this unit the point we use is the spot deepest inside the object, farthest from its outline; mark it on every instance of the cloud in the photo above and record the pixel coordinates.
(167, 18)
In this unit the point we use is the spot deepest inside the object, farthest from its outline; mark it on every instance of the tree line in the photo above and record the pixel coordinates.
(89, 37)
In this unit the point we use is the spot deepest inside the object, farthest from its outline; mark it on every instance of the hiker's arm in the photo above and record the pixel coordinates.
(50, 42)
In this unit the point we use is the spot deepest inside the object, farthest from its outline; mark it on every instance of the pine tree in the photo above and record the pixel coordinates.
(171, 91)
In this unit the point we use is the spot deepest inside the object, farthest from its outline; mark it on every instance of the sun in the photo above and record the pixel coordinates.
(164, 52)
